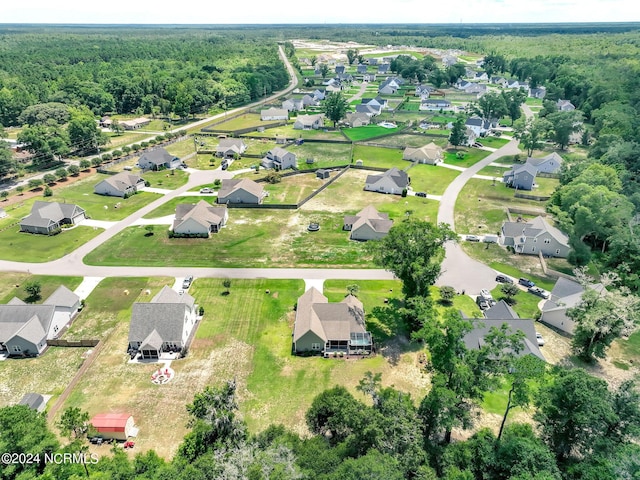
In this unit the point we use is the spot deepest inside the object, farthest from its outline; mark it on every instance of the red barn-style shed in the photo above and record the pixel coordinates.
(118, 426)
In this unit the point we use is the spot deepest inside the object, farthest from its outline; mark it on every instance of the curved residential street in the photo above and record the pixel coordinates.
(459, 270)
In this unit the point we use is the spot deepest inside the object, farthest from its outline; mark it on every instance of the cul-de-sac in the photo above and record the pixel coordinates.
(320, 252)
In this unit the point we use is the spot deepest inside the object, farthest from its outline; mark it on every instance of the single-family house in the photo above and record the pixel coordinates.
(520, 177)
(367, 224)
(26, 327)
(369, 77)
(344, 77)
(390, 86)
(480, 126)
(135, 123)
(368, 110)
(392, 181)
(280, 159)
(319, 94)
(162, 325)
(475, 339)
(330, 328)
(293, 105)
(105, 121)
(274, 114)
(462, 84)
(481, 76)
(230, 147)
(435, 104)
(339, 69)
(503, 82)
(383, 68)
(449, 60)
(240, 191)
(362, 68)
(565, 294)
(47, 218)
(538, 92)
(430, 154)
(309, 122)
(513, 83)
(34, 401)
(157, 159)
(565, 106)
(535, 236)
(199, 219)
(501, 311)
(121, 184)
(372, 61)
(471, 136)
(309, 101)
(423, 91)
(358, 119)
(548, 164)
(114, 426)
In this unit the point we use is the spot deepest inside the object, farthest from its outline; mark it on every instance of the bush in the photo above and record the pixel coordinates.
(62, 173)
(35, 183)
(73, 169)
(173, 234)
(160, 138)
(201, 310)
(136, 147)
(144, 144)
(273, 177)
(404, 192)
(116, 153)
(153, 141)
(49, 178)
(20, 189)
(4, 194)
(85, 164)
(47, 191)
(460, 155)
(126, 149)
(106, 157)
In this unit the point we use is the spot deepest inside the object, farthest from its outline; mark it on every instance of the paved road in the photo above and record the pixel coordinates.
(458, 269)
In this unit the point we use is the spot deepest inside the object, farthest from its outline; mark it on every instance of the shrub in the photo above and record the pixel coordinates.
(273, 177)
(126, 149)
(201, 310)
(73, 169)
(4, 194)
(47, 191)
(144, 144)
(20, 189)
(49, 178)
(160, 138)
(404, 192)
(35, 183)
(62, 173)
(96, 162)
(136, 147)
(460, 155)
(85, 164)
(116, 153)
(106, 157)
(153, 141)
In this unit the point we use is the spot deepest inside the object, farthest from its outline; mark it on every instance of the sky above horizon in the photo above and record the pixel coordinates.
(290, 11)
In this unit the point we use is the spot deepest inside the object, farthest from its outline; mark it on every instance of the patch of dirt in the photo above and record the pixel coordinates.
(275, 295)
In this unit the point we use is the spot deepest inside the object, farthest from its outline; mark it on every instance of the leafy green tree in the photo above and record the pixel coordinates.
(374, 466)
(447, 294)
(334, 414)
(438, 77)
(49, 178)
(494, 63)
(85, 164)
(273, 177)
(335, 107)
(454, 72)
(520, 374)
(73, 169)
(33, 289)
(24, 431)
(47, 191)
(45, 142)
(573, 412)
(563, 125)
(418, 312)
(352, 54)
(84, 134)
(324, 70)
(74, 422)
(226, 283)
(531, 133)
(35, 183)
(513, 98)
(183, 102)
(353, 289)
(7, 162)
(4, 194)
(601, 316)
(491, 106)
(20, 189)
(44, 113)
(62, 173)
(458, 135)
(510, 290)
(413, 250)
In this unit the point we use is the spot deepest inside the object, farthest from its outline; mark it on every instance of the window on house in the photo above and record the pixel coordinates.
(533, 249)
(547, 241)
(557, 251)
(16, 348)
(535, 240)
(316, 346)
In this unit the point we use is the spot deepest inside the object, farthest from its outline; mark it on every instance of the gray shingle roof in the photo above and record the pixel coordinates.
(158, 156)
(399, 177)
(122, 181)
(14, 317)
(475, 338)
(379, 222)
(230, 186)
(501, 311)
(34, 401)
(202, 212)
(533, 228)
(44, 213)
(62, 297)
(166, 318)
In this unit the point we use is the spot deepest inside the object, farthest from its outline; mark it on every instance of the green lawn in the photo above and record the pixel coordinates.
(243, 121)
(493, 142)
(411, 106)
(81, 193)
(28, 247)
(324, 154)
(169, 179)
(289, 132)
(293, 189)
(248, 240)
(12, 285)
(367, 132)
(471, 156)
(169, 208)
(493, 171)
(379, 157)
(431, 179)
(546, 186)
(203, 161)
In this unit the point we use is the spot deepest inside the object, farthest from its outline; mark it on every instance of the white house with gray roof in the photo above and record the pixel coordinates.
(392, 181)
(25, 327)
(121, 184)
(280, 159)
(293, 105)
(357, 119)
(548, 164)
(230, 147)
(430, 154)
(327, 328)
(162, 325)
(309, 122)
(157, 159)
(240, 191)
(520, 177)
(566, 294)
(367, 224)
(274, 114)
(534, 237)
(48, 217)
(201, 219)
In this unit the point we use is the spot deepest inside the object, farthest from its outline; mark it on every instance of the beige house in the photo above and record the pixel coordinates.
(357, 119)
(200, 219)
(121, 184)
(430, 154)
(240, 191)
(392, 181)
(368, 224)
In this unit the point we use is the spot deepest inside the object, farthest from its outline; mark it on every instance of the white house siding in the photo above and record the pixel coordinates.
(365, 232)
(190, 226)
(559, 320)
(104, 188)
(239, 196)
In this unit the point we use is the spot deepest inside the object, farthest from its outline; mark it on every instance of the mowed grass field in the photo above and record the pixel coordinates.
(366, 132)
(12, 285)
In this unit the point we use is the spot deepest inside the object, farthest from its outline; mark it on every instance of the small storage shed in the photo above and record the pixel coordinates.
(322, 173)
(118, 426)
